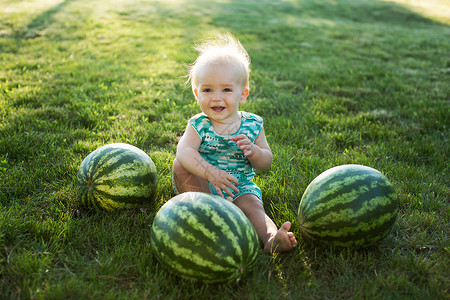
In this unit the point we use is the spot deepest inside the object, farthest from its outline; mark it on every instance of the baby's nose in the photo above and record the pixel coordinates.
(217, 96)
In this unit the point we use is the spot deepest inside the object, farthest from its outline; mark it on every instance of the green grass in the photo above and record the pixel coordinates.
(337, 82)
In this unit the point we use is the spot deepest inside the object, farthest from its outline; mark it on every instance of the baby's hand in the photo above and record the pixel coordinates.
(245, 144)
(221, 180)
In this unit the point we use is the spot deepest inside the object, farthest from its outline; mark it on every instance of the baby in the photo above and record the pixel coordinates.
(222, 145)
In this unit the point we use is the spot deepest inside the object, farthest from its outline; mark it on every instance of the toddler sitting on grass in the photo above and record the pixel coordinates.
(222, 145)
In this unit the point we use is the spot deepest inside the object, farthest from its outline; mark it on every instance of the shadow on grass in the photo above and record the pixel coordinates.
(367, 12)
(32, 30)
(42, 21)
(343, 10)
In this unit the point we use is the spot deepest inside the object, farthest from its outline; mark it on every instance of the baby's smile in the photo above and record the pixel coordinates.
(218, 108)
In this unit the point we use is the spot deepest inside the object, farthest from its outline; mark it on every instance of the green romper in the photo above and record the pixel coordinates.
(224, 153)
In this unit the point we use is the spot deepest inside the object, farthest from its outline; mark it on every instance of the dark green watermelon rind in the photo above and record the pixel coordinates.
(204, 238)
(124, 165)
(363, 192)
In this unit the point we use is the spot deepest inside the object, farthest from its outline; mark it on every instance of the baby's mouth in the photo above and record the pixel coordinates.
(218, 108)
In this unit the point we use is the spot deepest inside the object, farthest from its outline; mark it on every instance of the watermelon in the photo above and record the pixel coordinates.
(349, 206)
(203, 237)
(116, 176)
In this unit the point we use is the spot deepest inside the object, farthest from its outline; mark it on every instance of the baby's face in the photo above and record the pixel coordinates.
(220, 90)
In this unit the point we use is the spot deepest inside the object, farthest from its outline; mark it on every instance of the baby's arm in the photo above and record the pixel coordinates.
(258, 153)
(191, 160)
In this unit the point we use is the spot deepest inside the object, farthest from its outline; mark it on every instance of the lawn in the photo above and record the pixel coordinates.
(337, 82)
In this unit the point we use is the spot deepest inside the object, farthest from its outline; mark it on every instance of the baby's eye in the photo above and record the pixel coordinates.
(207, 91)
(227, 90)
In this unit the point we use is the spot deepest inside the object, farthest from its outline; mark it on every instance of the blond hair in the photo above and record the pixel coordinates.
(223, 48)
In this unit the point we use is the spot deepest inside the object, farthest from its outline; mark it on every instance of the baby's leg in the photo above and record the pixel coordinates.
(186, 182)
(274, 240)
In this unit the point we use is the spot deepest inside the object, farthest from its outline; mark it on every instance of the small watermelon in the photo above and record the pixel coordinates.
(116, 176)
(349, 206)
(203, 237)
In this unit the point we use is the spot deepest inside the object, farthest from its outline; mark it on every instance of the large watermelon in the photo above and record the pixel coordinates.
(205, 238)
(348, 205)
(116, 176)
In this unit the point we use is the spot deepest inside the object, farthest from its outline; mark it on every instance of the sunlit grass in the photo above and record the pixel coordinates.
(335, 81)
(438, 10)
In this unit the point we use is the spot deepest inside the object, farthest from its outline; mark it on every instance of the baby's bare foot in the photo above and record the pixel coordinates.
(282, 241)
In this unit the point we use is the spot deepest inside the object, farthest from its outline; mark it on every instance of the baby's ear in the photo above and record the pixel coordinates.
(244, 96)
(195, 93)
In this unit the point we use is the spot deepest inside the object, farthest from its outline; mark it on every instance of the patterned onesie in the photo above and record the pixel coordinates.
(224, 153)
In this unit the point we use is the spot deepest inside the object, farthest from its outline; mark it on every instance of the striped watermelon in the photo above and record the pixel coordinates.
(205, 238)
(348, 205)
(116, 176)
